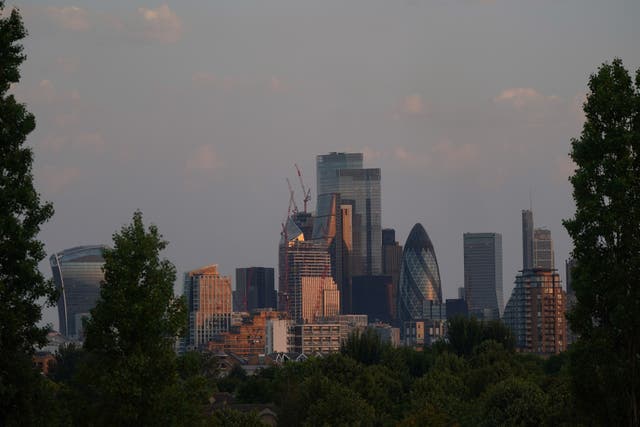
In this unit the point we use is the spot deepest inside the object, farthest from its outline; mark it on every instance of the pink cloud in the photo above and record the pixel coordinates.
(413, 104)
(56, 180)
(203, 159)
(69, 17)
(160, 24)
(520, 97)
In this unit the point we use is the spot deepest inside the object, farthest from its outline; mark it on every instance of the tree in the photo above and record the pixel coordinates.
(606, 237)
(130, 375)
(22, 214)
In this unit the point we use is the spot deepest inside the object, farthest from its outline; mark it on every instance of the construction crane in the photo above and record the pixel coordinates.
(306, 192)
(292, 200)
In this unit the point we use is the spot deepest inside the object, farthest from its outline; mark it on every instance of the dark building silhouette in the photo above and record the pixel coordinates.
(420, 285)
(456, 307)
(77, 274)
(391, 263)
(527, 239)
(373, 296)
(483, 274)
(254, 289)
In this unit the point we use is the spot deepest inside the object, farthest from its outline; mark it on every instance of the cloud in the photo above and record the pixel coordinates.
(413, 104)
(204, 78)
(160, 24)
(69, 17)
(56, 180)
(521, 97)
(203, 159)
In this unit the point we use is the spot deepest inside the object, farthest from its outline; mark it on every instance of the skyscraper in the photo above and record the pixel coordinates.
(527, 239)
(333, 226)
(535, 312)
(343, 173)
(391, 263)
(209, 305)
(77, 274)
(543, 256)
(419, 276)
(300, 259)
(483, 274)
(255, 289)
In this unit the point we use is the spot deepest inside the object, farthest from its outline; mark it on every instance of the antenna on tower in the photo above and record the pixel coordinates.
(530, 199)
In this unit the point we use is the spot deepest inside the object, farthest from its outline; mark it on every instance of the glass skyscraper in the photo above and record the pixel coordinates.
(483, 274)
(77, 274)
(419, 276)
(527, 239)
(543, 256)
(343, 173)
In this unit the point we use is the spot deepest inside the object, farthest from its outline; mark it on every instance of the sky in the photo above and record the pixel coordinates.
(195, 112)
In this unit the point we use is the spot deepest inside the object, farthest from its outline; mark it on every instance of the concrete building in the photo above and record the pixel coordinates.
(535, 312)
(277, 336)
(483, 274)
(248, 338)
(77, 274)
(209, 305)
(319, 299)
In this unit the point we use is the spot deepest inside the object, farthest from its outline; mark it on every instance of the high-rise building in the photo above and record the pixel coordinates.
(419, 276)
(209, 305)
(319, 299)
(535, 312)
(527, 239)
(483, 274)
(374, 296)
(391, 263)
(254, 289)
(333, 226)
(77, 274)
(543, 256)
(343, 173)
(298, 259)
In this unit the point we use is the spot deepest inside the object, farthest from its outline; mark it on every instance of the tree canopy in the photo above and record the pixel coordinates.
(130, 374)
(22, 286)
(606, 235)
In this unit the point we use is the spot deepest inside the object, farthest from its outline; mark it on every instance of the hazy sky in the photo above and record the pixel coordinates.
(196, 111)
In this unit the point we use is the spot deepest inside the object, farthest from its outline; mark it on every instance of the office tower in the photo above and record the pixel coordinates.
(299, 258)
(483, 274)
(333, 226)
(391, 262)
(209, 305)
(319, 298)
(527, 239)
(535, 312)
(248, 338)
(419, 276)
(254, 289)
(343, 173)
(543, 256)
(374, 296)
(77, 274)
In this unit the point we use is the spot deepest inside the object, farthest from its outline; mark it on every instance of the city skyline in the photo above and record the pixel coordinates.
(161, 107)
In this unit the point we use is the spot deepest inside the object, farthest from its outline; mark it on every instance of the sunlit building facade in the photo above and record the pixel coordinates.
(359, 187)
(209, 305)
(543, 255)
(535, 312)
(77, 274)
(419, 276)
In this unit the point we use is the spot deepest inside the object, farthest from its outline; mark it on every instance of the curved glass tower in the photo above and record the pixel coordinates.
(77, 273)
(419, 276)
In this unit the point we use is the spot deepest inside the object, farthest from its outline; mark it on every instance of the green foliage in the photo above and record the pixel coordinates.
(514, 402)
(21, 283)
(130, 374)
(606, 237)
(68, 360)
(365, 347)
(465, 334)
(232, 418)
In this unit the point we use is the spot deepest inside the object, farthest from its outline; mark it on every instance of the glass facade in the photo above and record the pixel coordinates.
(483, 274)
(527, 239)
(343, 173)
(419, 276)
(77, 274)
(255, 289)
(543, 256)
